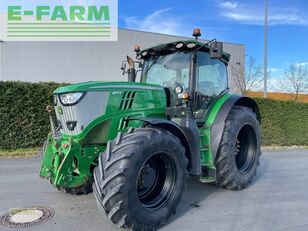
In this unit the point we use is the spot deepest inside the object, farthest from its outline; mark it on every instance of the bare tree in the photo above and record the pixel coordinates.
(245, 82)
(295, 80)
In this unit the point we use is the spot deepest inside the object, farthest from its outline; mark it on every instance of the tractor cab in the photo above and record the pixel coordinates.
(170, 65)
(194, 74)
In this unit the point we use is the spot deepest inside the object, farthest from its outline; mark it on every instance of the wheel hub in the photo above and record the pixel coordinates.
(155, 181)
(147, 177)
(245, 149)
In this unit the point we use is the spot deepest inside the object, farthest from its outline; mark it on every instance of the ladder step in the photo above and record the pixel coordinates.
(205, 127)
(207, 179)
(204, 149)
(208, 175)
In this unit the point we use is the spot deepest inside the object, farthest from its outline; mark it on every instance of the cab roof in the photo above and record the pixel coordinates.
(168, 48)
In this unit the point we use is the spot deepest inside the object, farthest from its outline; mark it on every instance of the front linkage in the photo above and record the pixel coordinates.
(67, 165)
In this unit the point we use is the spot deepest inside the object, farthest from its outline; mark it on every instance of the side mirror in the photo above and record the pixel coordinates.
(216, 50)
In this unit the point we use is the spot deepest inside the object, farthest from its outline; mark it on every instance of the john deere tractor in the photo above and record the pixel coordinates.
(138, 141)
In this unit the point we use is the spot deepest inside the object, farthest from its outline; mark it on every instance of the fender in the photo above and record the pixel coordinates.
(194, 164)
(219, 122)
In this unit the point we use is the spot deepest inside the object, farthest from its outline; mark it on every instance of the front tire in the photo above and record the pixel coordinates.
(140, 178)
(238, 155)
(84, 189)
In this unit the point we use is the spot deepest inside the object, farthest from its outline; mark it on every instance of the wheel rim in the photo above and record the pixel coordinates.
(156, 181)
(245, 148)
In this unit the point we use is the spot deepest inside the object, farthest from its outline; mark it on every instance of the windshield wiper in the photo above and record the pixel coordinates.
(154, 62)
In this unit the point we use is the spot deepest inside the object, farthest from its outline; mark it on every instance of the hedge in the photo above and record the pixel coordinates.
(284, 122)
(24, 122)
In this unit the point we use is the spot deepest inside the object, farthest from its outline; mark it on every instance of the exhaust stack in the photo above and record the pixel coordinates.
(49, 109)
(131, 72)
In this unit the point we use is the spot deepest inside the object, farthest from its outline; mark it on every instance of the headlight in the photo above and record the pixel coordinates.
(178, 89)
(71, 98)
(179, 45)
(191, 45)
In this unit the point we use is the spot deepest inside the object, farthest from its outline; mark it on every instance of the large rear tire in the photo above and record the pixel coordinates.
(140, 178)
(238, 155)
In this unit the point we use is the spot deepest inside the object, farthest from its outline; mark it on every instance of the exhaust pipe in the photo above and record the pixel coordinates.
(49, 109)
(131, 72)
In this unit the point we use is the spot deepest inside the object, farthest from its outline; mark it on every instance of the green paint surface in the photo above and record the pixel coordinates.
(205, 132)
(69, 160)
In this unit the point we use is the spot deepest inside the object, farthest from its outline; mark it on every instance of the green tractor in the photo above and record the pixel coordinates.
(138, 141)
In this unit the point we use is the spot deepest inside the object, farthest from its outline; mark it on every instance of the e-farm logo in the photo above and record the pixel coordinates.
(62, 23)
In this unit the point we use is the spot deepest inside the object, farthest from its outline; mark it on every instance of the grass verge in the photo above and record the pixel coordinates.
(30, 152)
(23, 152)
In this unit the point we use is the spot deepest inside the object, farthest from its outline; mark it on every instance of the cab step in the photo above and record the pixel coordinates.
(207, 179)
(208, 175)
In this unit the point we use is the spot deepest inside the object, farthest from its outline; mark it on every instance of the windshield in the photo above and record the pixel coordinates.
(173, 70)
(168, 71)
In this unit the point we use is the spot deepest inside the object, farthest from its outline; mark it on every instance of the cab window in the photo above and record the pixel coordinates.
(211, 75)
(212, 80)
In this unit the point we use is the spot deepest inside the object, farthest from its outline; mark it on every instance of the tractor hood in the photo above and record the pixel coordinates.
(105, 86)
(81, 107)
